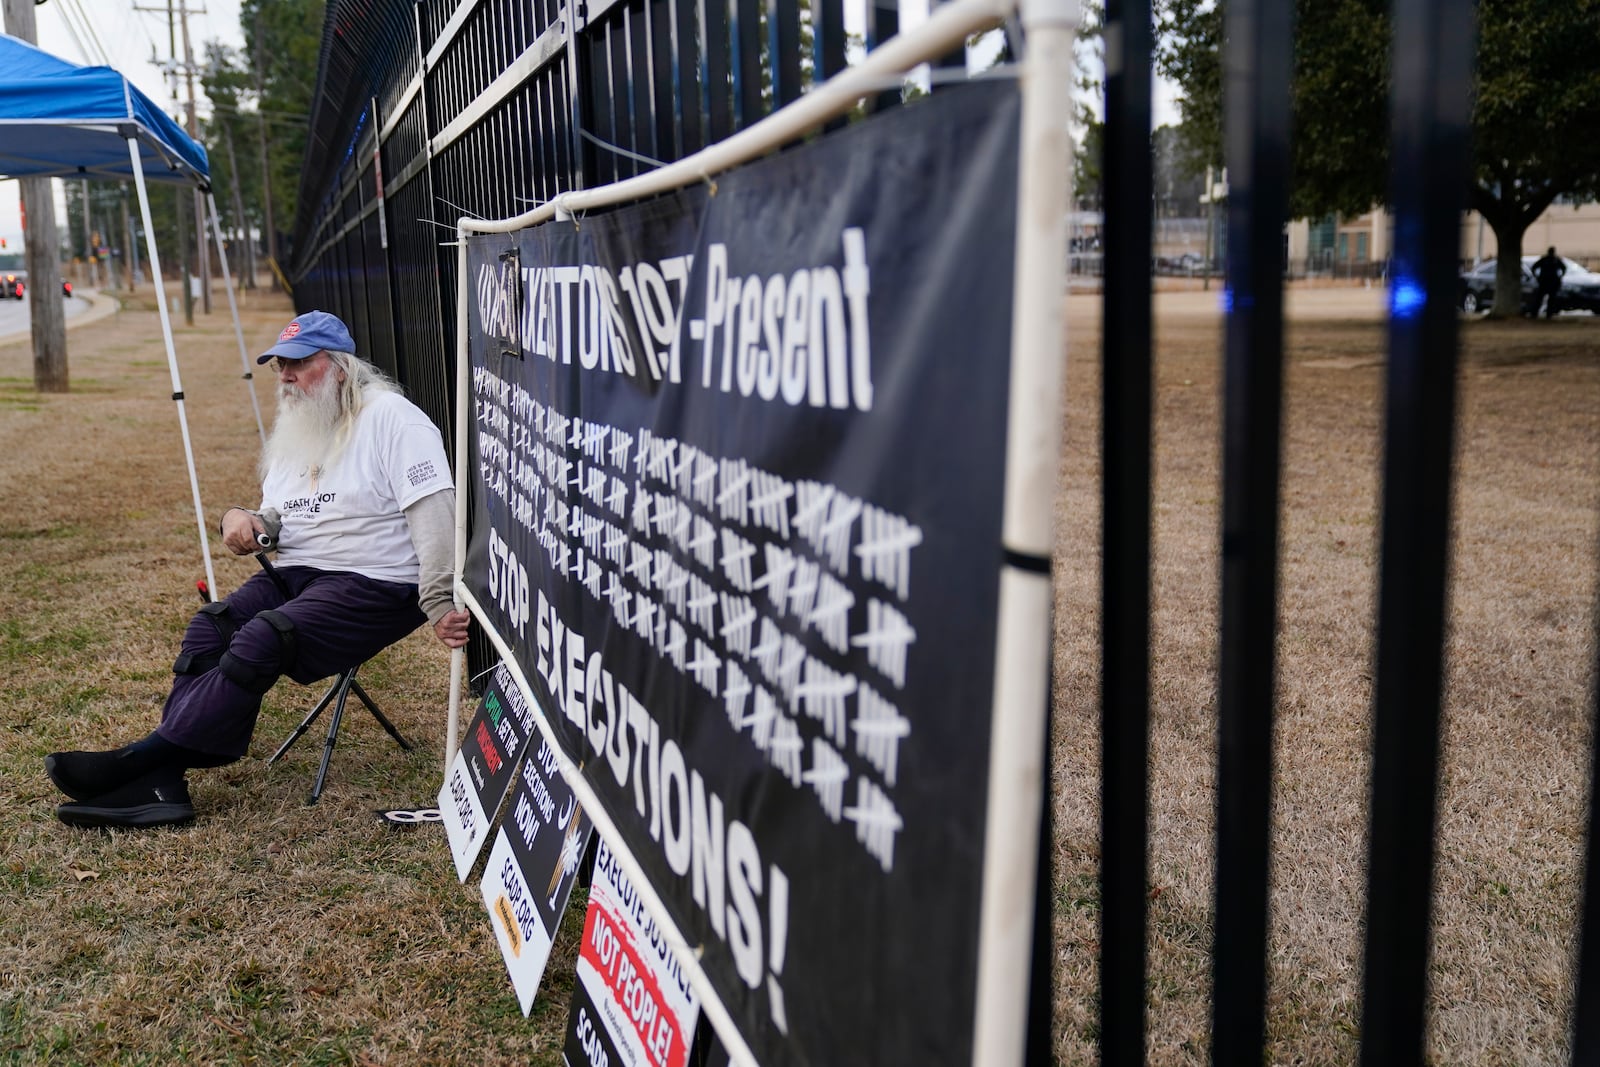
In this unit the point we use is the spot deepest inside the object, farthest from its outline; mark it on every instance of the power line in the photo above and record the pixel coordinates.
(72, 31)
(89, 31)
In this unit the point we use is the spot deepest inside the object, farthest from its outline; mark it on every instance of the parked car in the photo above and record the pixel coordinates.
(1580, 288)
(1477, 287)
(1186, 263)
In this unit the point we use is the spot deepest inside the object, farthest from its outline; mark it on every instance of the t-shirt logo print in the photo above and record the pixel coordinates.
(289, 332)
(418, 473)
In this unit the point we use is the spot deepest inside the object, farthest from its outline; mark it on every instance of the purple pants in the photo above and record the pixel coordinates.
(340, 620)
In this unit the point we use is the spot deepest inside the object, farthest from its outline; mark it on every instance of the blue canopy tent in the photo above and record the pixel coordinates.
(72, 119)
(60, 120)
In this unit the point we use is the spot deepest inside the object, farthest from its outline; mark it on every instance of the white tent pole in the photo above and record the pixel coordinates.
(172, 358)
(1018, 756)
(233, 306)
(458, 656)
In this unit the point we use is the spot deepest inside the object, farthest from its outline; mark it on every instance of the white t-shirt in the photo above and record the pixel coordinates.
(351, 515)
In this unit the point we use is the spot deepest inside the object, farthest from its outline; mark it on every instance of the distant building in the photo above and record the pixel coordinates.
(1340, 246)
(1359, 246)
(1574, 229)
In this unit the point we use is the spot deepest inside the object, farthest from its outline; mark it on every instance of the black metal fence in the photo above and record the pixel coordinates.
(487, 109)
(427, 111)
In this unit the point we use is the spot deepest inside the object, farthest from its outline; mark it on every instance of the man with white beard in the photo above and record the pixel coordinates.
(357, 477)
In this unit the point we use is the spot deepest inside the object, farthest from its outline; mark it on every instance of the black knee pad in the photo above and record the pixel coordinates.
(216, 613)
(258, 680)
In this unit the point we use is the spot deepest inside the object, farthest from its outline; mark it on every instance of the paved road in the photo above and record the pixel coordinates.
(15, 317)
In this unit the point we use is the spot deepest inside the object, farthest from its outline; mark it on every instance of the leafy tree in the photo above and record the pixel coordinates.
(1179, 175)
(283, 42)
(104, 220)
(1189, 53)
(1088, 157)
(1534, 121)
(1537, 105)
(1088, 168)
(233, 137)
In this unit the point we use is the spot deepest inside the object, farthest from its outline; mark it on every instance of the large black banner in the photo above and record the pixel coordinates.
(738, 459)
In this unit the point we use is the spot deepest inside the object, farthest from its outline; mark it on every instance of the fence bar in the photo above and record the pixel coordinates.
(748, 106)
(1586, 996)
(883, 23)
(783, 44)
(1125, 535)
(827, 38)
(1256, 70)
(1431, 145)
(949, 23)
(715, 74)
(685, 79)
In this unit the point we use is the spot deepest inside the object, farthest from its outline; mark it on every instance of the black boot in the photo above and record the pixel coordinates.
(160, 798)
(82, 775)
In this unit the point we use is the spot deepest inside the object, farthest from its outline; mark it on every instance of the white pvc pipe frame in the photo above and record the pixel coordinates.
(172, 355)
(1018, 741)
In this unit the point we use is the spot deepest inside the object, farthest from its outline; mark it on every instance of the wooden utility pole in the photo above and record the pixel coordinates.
(248, 269)
(129, 254)
(202, 245)
(183, 227)
(88, 239)
(266, 171)
(41, 250)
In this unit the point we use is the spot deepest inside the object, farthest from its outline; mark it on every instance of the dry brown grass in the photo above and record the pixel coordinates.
(274, 932)
(1521, 659)
(269, 931)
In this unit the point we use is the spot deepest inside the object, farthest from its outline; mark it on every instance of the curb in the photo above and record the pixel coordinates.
(101, 305)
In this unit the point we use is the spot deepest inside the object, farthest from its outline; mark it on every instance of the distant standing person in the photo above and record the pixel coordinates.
(1548, 271)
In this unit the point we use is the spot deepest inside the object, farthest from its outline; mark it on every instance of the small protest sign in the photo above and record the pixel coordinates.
(632, 1004)
(481, 772)
(531, 868)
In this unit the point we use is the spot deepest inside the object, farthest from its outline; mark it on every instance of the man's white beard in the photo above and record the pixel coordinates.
(305, 434)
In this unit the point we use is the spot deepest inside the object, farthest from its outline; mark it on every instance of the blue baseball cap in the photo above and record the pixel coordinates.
(309, 334)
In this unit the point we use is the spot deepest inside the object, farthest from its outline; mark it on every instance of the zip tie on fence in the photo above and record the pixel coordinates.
(442, 226)
(459, 208)
(560, 202)
(608, 146)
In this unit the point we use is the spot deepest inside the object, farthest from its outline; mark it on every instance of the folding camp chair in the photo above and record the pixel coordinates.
(343, 685)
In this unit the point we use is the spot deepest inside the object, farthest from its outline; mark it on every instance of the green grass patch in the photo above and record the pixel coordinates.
(19, 644)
